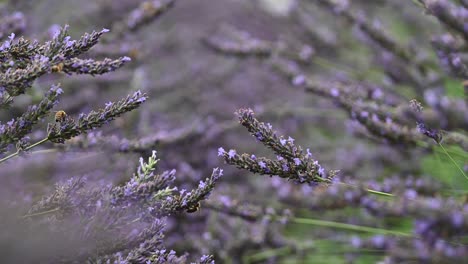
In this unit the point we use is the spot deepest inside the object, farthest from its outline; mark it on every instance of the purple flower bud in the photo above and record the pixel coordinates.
(259, 136)
(232, 153)
(308, 155)
(283, 141)
(298, 80)
(378, 241)
(201, 185)
(297, 161)
(335, 92)
(221, 152)
(356, 241)
(457, 219)
(411, 194)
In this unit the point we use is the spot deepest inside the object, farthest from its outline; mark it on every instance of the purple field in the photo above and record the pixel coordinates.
(234, 131)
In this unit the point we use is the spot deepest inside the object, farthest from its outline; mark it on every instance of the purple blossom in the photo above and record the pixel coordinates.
(259, 136)
(221, 152)
(334, 92)
(457, 219)
(378, 241)
(297, 161)
(411, 194)
(298, 80)
(283, 141)
(321, 171)
(232, 153)
(201, 184)
(356, 241)
(309, 154)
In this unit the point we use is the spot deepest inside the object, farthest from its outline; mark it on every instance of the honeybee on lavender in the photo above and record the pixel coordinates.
(60, 116)
(193, 208)
(57, 68)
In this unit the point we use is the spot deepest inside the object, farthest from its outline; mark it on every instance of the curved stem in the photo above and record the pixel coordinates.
(349, 227)
(379, 193)
(370, 190)
(25, 149)
(42, 213)
(453, 161)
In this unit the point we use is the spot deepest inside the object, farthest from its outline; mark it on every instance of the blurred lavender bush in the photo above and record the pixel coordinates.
(384, 182)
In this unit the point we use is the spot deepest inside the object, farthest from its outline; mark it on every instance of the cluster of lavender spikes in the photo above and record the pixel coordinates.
(386, 116)
(115, 224)
(440, 223)
(133, 222)
(24, 61)
(291, 162)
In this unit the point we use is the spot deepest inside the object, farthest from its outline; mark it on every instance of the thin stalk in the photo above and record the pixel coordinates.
(42, 213)
(370, 190)
(379, 193)
(453, 161)
(25, 149)
(286, 250)
(266, 254)
(349, 227)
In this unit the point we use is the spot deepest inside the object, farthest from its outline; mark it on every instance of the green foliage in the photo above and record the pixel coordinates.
(454, 88)
(442, 168)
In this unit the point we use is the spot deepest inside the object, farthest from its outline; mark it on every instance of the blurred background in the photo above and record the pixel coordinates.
(193, 92)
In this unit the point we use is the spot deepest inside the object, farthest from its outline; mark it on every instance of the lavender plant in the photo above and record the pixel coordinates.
(368, 165)
(118, 224)
(438, 221)
(387, 117)
(114, 224)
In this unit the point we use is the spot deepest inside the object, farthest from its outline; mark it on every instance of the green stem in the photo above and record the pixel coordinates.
(42, 213)
(349, 227)
(370, 190)
(419, 3)
(380, 193)
(286, 250)
(25, 149)
(454, 162)
(266, 254)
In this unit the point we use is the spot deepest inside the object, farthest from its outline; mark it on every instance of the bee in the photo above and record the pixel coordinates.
(148, 7)
(58, 67)
(193, 208)
(60, 116)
